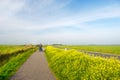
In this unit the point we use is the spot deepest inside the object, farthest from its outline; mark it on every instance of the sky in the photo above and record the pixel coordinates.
(60, 21)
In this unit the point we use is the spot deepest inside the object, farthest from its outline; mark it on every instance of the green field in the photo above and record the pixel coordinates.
(8, 51)
(74, 65)
(100, 48)
(12, 57)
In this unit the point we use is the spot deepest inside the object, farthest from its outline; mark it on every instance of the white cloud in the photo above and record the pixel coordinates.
(10, 7)
(48, 22)
(109, 12)
(15, 27)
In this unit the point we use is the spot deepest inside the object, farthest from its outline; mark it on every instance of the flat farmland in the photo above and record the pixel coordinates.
(110, 49)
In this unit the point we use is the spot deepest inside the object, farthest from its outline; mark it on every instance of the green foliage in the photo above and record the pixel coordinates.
(103, 49)
(74, 65)
(11, 49)
(13, 64)
(6, 52)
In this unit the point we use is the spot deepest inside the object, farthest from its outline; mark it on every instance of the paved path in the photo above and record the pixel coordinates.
(35, 68)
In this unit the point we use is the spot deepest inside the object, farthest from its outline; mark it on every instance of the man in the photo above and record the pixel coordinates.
(40, 47)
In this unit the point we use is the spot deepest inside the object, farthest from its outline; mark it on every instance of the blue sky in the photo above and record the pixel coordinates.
(60, 21)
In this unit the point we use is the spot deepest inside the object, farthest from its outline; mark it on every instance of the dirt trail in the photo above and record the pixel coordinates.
(35, 68)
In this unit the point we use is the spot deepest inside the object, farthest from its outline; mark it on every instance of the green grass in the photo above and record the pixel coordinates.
(7, 70)
(8, 51)
(74, 65)
(102, 48)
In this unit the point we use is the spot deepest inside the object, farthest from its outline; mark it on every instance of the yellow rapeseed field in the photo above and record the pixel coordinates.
(74, 65)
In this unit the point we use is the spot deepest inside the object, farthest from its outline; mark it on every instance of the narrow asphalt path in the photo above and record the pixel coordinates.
(35, 68)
